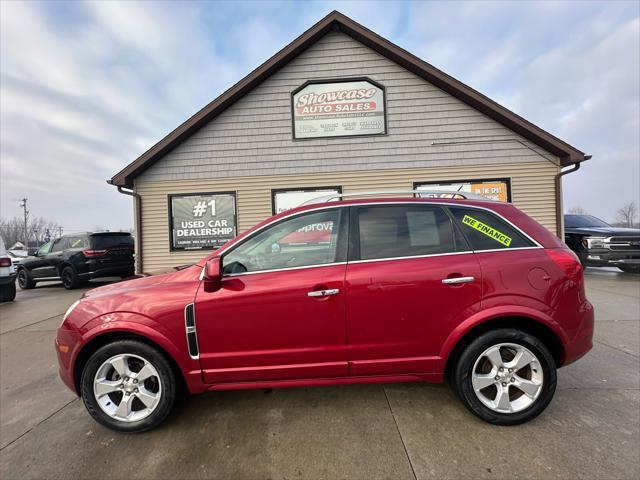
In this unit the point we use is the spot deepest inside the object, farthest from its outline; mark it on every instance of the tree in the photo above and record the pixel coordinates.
(12, 230)
(627, 214)
(577, 210)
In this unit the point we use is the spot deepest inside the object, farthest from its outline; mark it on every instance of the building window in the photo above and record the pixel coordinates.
(286, 199)
(494, 188)
(201, 221)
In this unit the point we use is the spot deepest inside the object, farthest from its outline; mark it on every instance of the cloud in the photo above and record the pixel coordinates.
(87, 87)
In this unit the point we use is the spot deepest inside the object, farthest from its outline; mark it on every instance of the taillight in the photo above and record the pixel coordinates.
(94, 253)
(568, 263)
(5, 262)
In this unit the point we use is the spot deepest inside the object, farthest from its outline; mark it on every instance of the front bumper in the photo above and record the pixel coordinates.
(66, 345)
(603, 257)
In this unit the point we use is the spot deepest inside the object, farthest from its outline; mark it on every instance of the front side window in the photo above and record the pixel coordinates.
(306, 240)
(58, 245)
(44, 249)
(485, 231)
(406, 231)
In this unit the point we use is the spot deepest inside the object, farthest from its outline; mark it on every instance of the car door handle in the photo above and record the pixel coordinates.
(453, 281)
(323, 293)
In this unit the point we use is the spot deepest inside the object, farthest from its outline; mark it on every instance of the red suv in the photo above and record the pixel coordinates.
(353, 291)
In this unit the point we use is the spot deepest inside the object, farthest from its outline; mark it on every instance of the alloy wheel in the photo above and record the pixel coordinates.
(66, 277)
(127, 387)
(22, 279)
(507, 378)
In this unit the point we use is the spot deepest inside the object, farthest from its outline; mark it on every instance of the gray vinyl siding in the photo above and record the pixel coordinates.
(254, 136)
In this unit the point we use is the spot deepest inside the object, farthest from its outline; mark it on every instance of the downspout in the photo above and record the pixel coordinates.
(138, 208)
(559, 210)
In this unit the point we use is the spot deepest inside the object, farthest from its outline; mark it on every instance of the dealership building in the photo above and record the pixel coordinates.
(340, 109)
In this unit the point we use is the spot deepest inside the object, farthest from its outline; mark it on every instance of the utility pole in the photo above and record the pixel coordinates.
(23, 205)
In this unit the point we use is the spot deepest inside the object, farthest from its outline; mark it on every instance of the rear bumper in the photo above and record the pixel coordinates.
(582, 342)
(8, 280)
(117, 271)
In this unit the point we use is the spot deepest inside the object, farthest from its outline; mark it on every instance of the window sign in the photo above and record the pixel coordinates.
(496, 189)
(338, 109)
(202, 221)
(283, 200)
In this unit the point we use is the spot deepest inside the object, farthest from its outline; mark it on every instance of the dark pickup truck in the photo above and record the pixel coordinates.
(76, 259)
(598, 244)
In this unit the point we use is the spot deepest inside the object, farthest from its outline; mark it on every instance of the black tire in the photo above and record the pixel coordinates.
(69, 278)
(25, 282)
(150, 354)
(462, 376)
(8, 292)
(630, 268)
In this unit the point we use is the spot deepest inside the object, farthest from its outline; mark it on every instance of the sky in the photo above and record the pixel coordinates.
(85, 88)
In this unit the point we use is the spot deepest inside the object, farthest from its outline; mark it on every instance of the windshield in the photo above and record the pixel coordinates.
(583, 221)
(100, 242)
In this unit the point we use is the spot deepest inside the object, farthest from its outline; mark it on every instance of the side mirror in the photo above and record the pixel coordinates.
(213, 275)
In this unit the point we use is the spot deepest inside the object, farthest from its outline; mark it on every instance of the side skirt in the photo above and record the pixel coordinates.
(319, 382)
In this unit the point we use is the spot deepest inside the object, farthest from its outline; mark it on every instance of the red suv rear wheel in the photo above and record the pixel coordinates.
(505, 377)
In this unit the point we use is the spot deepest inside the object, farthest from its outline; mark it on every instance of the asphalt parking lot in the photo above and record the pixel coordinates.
(590, 430)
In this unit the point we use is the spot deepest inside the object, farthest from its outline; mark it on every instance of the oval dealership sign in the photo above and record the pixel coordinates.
(338, 109)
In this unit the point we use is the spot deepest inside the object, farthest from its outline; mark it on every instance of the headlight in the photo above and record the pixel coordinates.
(70, 309)
(594, 242)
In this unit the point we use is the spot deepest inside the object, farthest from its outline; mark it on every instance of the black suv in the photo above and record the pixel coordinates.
(75, 259)
(598, 244)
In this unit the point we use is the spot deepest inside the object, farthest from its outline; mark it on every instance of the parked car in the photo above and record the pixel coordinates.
(598, 244)
(76, 259)
(395, 290)
(7, 275)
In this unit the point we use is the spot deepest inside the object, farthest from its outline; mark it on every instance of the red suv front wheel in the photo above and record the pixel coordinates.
(128, 386)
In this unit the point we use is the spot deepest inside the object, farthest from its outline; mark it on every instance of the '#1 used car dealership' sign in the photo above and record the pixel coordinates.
(338, 109)
(202, 221)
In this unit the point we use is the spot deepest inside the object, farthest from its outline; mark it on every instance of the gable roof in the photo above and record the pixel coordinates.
(336, 21)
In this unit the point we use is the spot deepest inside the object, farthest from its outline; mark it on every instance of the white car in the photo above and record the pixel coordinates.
(7, 275)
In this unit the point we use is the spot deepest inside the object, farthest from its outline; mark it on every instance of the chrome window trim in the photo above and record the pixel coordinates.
(508, 249)
(232, 246)
(283, 269)
(466, 252)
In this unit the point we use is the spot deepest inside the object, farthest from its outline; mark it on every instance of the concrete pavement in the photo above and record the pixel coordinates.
(413, 431)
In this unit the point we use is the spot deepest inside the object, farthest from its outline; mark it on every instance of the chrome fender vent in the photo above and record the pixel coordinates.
(190, 327)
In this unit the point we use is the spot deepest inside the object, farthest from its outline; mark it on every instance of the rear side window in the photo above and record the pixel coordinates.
(406, 231)
(486, 231)
(77, 242)
(100, 242)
